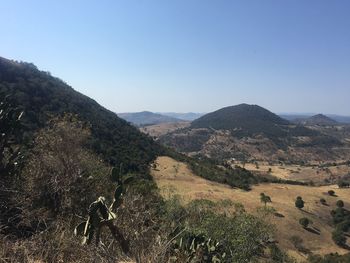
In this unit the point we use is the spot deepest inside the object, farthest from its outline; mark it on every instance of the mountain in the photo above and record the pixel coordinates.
(293, 117)
(248, 119)
(250, 132)
(318, 119)
(42, 96)
(188, 116)
(147, 118)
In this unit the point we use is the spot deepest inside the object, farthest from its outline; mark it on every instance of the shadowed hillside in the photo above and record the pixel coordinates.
(42, 96)
(250, 132)
(145, 118)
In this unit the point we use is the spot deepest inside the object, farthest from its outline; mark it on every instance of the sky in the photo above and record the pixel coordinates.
(189, 55)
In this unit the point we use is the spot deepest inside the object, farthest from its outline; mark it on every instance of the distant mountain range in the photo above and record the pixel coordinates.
(251, 132)
(145, 118)
(295, 117)
(187, 116)
(242, 118)
(318, 119)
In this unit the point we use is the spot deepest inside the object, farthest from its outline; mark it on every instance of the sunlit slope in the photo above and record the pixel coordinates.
(174, 177)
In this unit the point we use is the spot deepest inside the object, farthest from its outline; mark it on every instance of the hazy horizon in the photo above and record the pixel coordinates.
(189, 56)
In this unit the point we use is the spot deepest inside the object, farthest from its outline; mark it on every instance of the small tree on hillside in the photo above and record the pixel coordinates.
(339, 237)
(265, 199)
(331, 192)
(299, 202)
(340, 203)
(305, 222)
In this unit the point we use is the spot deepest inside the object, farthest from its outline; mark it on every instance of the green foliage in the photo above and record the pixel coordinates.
(240, 236)
(234, 177)
(339, 237)
(331, 193)
(304, 222)
(197, 248)
(42, 97)
(100, 215)
(340, 203)
(10, 117)
(265, 199)
(299, 202)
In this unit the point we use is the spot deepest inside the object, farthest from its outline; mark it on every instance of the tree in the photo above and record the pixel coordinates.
(340, 203)
(305, 222)
(299, 202)
(339, 237)
(265, 198)
(331, 192)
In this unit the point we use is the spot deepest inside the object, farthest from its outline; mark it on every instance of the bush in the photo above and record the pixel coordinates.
(339, 237)
(331, 193)
(323, 201)
(340, 203)
(305, 222)
(299, 202)
(265, 198)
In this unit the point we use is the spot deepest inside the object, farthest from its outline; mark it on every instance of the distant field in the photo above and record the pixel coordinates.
(163, 128)
(175, 177)
(299, 172)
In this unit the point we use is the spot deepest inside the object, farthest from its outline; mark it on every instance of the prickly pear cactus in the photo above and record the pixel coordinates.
(100, 215)
(197, 248)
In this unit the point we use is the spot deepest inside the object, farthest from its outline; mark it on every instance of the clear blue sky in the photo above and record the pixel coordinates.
(189, 55)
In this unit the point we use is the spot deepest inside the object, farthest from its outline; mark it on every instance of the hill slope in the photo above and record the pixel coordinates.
(42, 96)
(147, 118)
(250, 132)
(318, 119)
(250, 119)
(174, 177)
(188, 116)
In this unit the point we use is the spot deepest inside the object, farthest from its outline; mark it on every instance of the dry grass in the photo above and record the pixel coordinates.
(163, 128)
(299, 172)
(172, 176)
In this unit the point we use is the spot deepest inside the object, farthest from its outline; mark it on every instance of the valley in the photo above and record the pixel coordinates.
(175, 178)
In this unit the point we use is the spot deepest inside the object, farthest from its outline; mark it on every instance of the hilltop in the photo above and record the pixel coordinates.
(146, 118)
(249, 119)
(250, 132)
(318, 119)
(41, 96)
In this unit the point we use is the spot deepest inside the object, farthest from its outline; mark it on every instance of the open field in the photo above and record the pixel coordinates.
(163, 128)
(175, 177)
(317, 174)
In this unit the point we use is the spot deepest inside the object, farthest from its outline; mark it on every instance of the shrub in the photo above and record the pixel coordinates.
(265, 198)
(340, 203)
(299, 202)
(331, 193)
(323, 201)
(339, 237)
(305, 222)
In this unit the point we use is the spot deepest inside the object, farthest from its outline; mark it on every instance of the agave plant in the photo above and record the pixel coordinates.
(101, 215)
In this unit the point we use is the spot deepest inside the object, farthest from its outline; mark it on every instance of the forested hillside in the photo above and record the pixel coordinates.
(41, 97)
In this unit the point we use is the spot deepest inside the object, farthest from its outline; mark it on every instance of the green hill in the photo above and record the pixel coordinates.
(147, 118)
(42, 96)
(244, 119)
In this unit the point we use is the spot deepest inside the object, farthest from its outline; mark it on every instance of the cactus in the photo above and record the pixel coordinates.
(198, 248)
(100, 215)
